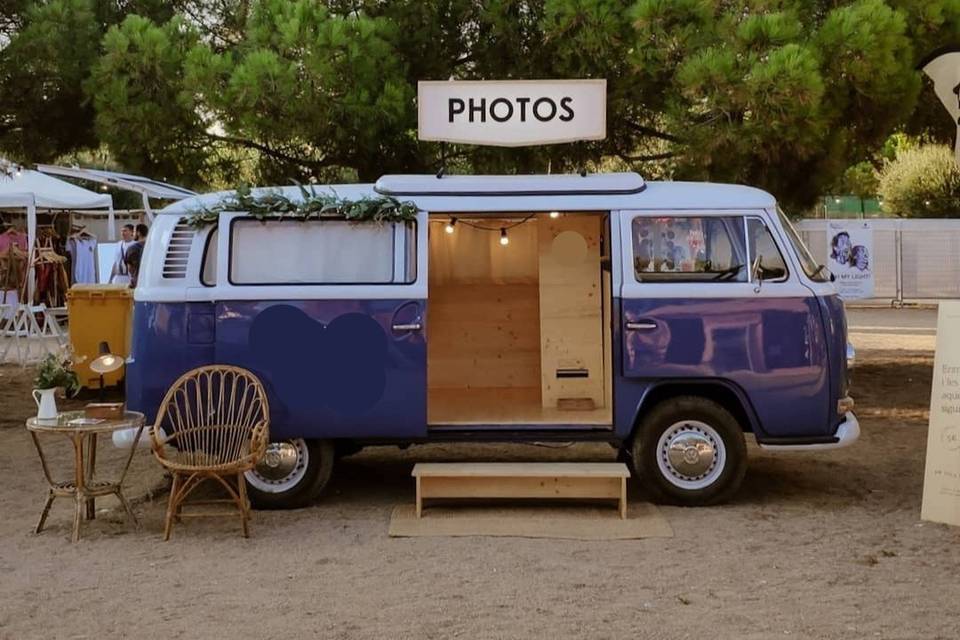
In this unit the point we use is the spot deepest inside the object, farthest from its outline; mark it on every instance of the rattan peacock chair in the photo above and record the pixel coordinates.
(212, 425)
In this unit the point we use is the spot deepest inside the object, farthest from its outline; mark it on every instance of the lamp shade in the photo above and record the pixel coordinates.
(106, 362)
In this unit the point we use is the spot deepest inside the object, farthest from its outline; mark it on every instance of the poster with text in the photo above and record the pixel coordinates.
(850, 257)
(941, 478)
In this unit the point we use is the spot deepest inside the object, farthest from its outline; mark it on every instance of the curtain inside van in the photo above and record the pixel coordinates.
(312, 252)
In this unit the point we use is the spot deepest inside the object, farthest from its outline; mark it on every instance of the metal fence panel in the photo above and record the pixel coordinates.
(922, 255)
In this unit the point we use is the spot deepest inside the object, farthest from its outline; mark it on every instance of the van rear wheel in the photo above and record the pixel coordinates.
(292, 474)
(690, 451)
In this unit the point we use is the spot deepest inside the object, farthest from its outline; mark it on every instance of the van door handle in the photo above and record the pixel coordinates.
(641, 326)
(412, 326)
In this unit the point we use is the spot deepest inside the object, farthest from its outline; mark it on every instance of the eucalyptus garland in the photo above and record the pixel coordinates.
(312, 205)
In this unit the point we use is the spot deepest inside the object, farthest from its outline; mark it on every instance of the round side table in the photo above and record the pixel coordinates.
(84, 488)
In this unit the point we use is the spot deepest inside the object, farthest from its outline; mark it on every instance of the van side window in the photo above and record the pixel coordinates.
(762, 244)
(326, 251)
(688, 249)
(208, 273)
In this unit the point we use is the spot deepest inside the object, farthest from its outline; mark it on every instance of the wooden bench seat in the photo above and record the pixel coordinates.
(579, 480)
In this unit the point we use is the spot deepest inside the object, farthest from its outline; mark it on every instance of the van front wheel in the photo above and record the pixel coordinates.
(690, 451)
(292, 474)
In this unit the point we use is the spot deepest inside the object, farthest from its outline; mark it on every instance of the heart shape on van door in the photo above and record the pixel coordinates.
(340, 366)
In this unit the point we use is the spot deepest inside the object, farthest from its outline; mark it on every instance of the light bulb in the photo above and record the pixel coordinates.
(554, 214)
(108, 361)
(19, 171)
(450, 225)
(837, 200)
(504, 240)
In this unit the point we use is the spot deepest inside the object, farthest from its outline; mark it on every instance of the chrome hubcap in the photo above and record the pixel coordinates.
(691, 454)
(282, 467)
(279, 461)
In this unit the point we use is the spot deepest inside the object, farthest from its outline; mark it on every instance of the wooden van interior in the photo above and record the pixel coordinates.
(518, 334)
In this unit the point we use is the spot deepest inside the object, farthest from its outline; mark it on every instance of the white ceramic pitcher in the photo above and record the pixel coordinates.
(46, 403)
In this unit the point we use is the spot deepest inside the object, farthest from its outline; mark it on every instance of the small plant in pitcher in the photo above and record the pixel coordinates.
(55, 372)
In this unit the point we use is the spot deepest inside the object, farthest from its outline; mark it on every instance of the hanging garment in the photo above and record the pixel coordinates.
(13, 268)
(51, 284)
(13, 239)
(82, 250)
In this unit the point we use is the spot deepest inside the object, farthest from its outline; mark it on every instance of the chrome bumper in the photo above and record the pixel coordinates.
(847, 433)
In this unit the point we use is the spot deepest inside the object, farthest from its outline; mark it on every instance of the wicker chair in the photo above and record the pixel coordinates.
(212, 425)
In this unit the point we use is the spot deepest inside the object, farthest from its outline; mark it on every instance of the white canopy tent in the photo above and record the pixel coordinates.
(146, 187)
(31, 190)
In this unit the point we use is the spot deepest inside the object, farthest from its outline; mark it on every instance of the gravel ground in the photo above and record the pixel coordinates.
(825, 545)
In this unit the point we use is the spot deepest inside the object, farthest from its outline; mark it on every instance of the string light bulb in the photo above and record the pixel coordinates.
(504, 240)
(450, 225)
(554, 214)
(19, 171)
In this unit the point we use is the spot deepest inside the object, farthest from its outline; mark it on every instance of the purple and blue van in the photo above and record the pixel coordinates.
(667, 319)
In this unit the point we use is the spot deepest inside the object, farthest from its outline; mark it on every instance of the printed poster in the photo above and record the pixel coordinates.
(850, 257)
(941, 479)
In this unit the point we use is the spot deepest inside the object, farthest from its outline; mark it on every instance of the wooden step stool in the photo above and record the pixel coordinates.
(583, 480)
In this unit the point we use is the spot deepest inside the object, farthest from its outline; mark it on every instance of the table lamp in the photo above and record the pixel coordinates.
(106, 362)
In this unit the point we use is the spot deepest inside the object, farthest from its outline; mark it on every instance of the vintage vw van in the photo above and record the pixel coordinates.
(667, 319)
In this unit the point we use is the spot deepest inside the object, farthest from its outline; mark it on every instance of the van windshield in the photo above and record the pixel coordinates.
(814, 270)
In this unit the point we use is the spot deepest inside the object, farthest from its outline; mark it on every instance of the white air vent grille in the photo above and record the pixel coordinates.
(178, 252)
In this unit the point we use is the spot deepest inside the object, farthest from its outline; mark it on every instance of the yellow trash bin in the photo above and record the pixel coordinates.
(99, 313)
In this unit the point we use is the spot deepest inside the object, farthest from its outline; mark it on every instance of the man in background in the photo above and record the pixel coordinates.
(135, 253)
(119, 273)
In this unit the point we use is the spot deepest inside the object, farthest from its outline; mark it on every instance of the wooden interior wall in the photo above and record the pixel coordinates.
(483, 318)
(571, 310)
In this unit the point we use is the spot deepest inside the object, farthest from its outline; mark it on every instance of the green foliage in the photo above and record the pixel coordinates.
(783, 94)
(270, 203)
(57, 372)
(44, 109)
(136, 88)
(923, 182)
(861, 180)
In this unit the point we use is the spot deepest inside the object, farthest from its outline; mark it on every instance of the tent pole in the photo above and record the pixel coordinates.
(146, 207)
(31, 242)
(111, 224)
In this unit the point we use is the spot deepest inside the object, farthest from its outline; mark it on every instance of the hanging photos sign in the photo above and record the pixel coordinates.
(512, 113)
(941, 479)
(850, 257)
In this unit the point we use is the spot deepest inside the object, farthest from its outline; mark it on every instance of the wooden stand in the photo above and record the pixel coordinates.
(570, 480)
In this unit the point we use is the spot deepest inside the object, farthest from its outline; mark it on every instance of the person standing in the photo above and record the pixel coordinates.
(135, 254)
(119, 273)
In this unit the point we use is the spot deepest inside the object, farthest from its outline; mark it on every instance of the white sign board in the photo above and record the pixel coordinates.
(941, 479)
(512, 113)
(944, 70)
(850, 257)
(107, 253)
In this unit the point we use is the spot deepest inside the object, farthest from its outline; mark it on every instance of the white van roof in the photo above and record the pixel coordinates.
(593, 192)
(556, 184)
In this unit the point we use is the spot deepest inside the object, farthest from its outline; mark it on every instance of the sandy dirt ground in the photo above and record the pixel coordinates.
(825, 545)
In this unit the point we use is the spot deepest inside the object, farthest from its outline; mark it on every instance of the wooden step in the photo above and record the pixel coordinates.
(567, 480)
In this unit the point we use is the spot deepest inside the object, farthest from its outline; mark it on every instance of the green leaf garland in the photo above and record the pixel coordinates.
(273, 204)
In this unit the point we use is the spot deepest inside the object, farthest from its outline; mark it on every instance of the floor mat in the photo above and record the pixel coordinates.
(574, 522)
